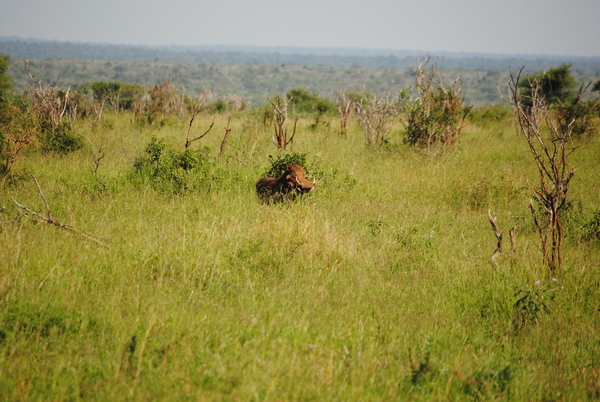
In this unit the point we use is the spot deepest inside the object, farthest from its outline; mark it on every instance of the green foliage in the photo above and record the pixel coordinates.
(531, 303)
(487, 116)
(556, 86)
(60, 140)
(121, 95)
(5, 81)
(278, 162)
(105, 90)
(231, 104)
(581, 117)
(591, 229)
(435, 119)
(173, 171)
(435, 114)
(305, 102)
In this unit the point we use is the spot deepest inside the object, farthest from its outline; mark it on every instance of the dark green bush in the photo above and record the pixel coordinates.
(60, 140)
(555, 86)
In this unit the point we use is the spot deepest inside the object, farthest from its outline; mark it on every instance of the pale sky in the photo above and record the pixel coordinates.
(541, 27)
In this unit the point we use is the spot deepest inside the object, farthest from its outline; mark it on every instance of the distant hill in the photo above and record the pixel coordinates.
(20, 48)
(256, 73)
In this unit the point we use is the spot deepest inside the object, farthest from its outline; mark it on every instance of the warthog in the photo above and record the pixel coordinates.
(287, 186)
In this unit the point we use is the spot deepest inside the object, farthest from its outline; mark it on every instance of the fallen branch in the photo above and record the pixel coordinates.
(47, 218)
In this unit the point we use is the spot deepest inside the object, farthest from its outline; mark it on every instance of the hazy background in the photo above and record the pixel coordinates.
(549, 27)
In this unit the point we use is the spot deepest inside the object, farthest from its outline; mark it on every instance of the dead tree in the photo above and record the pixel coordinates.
(377, 114)
(346, 106)
(51, 105)
(196, 108)
(550, 156)
(280, 134)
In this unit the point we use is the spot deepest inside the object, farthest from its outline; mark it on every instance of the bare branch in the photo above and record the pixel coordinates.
(47, 218)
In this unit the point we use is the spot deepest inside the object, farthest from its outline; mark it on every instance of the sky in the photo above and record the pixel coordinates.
(515, 27)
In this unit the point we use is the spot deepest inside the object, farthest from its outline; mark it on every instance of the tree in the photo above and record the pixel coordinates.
(555, 86)
(550, 154)
(305, 101)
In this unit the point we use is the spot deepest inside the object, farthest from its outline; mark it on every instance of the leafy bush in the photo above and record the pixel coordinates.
(172, 171)
(305, 101)
(278, 163)
(60, 140)
(435, 116)
(531, 303)
(583, 116)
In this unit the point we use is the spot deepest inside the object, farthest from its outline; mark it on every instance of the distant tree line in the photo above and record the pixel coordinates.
(32, 49)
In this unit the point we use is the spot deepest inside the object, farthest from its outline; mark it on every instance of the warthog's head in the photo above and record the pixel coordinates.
(296, 179)
(292, 182)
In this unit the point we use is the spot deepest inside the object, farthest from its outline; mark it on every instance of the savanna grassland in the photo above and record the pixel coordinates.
(376, 286)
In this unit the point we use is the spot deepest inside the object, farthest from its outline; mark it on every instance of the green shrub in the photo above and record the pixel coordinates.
(60, 140)
(173, 171)
(435, 114)
(583, 117)
(305, 102)
(278, 162)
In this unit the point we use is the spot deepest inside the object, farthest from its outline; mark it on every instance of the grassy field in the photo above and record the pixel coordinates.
(376, 286)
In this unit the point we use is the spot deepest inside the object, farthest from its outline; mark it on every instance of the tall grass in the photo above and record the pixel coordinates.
(376, 286)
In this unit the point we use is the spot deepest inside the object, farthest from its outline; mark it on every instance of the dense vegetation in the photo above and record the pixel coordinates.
(133, 267)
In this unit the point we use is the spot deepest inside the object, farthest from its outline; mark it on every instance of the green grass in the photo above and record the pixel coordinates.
(376, 286)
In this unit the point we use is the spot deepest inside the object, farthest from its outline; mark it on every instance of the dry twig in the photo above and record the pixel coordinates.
(197, 108)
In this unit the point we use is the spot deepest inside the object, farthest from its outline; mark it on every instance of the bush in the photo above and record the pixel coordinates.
(435, 116)
(60, 140)
(278, 163)
(172, 171)
(583, 116)
(305, 102)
